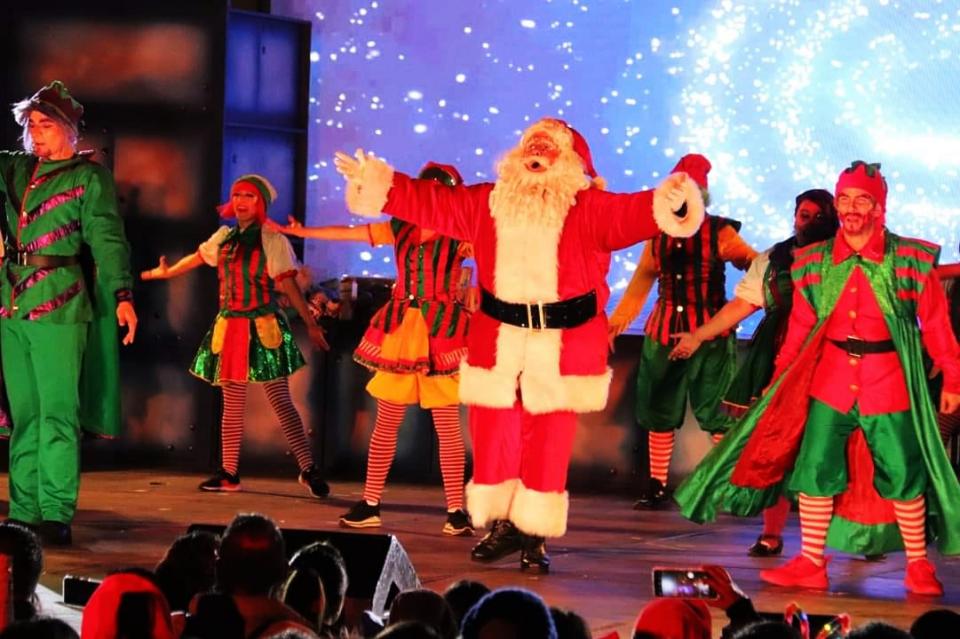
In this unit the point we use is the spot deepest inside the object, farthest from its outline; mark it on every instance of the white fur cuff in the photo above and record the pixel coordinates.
(663, 213)
(487, 502)
(367, 195)
(486, 387)
(543, 514)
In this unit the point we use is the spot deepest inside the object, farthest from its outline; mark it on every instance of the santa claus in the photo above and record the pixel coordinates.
(537, 348)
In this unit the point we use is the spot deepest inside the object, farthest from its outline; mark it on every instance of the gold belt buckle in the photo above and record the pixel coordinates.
(540, 314)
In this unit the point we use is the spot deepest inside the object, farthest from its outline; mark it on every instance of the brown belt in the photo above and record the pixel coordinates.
(44, 261)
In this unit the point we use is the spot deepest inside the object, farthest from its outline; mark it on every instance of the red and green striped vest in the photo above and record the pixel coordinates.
(428, 275)
(245, 284)
(691, 280)
(897, 281)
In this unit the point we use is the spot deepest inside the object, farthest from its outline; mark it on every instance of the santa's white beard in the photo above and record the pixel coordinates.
(524, 198)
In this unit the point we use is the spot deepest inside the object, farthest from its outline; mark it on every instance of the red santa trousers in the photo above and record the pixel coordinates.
(520, 463)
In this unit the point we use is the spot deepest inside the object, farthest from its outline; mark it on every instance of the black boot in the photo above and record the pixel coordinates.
(533, 555)
(653, 496)
(502, 540)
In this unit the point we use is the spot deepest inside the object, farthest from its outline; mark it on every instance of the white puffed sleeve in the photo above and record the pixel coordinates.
(209, 250)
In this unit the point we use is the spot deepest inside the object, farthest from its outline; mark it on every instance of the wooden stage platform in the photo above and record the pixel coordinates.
(601, 568)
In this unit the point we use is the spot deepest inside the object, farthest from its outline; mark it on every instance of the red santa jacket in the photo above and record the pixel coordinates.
(554, 369)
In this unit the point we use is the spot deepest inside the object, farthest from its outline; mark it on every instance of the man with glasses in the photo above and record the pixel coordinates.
(851, 359)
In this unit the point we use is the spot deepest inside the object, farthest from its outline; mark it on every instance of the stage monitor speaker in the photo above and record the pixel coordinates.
(378, 568)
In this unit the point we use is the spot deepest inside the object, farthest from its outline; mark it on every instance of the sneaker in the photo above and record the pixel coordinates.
(921, 578)
(766, 546)
(799, 572)
(362, 515)
(312, 478)
(458, 524)
(653, 497)
(222, 481)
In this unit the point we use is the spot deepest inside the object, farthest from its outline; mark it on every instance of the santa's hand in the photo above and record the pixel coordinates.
(349, 167)
(949, 402)
(673, 191)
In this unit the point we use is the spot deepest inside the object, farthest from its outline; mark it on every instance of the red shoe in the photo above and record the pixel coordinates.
(799, 572)
(921, 578)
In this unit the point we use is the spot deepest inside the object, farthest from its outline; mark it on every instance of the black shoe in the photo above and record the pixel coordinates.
(55, 533)
(502, 540)
(222, 481)
(312, 478)
(533, 555)
(34, 528)
(362, 515)
(761, 549)
(458, 524)
(653, 496)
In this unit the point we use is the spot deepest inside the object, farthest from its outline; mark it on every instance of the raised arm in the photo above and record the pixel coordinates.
(948, 271)
(619, 220)
(362, 233)
(164, 272)
(374, 187)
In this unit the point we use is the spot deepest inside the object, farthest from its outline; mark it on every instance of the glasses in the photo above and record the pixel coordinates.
(861, 203)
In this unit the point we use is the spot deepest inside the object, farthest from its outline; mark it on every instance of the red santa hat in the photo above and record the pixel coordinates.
(696, 166)
(582, 149)
(444, 173)
(860, 175)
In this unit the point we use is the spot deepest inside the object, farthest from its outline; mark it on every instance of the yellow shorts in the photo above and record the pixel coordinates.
(415, 388)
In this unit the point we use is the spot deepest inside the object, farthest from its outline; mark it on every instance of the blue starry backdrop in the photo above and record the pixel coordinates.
(780, 95)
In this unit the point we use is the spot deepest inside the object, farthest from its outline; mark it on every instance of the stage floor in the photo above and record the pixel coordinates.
(601, 569)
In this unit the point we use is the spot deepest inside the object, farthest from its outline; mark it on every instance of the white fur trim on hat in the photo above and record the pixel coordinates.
(663, 212)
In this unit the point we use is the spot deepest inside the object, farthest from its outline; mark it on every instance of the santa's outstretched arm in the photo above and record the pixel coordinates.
(374, 187)
(675, 207)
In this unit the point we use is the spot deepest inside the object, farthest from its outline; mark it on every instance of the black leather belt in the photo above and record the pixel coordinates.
(566, 314)
(856, 347)
(44, 261)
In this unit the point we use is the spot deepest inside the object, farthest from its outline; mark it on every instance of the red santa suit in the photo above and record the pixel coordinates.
(537, 349)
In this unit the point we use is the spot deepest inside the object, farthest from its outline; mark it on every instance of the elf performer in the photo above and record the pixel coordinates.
(58, 332)
(851, 360)
(414, 346)
(537, 348)
(250, 341)
(691, 284)
(768, 285)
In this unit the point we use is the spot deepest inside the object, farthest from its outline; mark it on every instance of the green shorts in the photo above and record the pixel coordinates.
(664, 385)
(820, 469)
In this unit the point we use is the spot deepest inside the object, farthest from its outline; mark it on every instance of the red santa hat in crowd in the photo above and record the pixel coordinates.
(697, 167)
(861, 175)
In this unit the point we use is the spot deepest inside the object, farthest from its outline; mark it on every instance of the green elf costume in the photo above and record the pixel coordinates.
(691, 283)
(850, 366)
(58, 333)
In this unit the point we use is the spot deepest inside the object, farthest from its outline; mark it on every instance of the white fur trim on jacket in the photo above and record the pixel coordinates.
(486, 502)
(530, 360)
(543, 514)
(367, 195)
(663, 212)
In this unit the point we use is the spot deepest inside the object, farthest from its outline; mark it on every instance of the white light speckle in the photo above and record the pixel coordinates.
(460, 78)
(314, 56)
(494, 110)
(419, 128)
(467, 30)
(413, 94)
(441, 103)
(527, 23)
(478, 151)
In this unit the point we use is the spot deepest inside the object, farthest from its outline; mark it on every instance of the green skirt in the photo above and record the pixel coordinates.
(247, 349)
